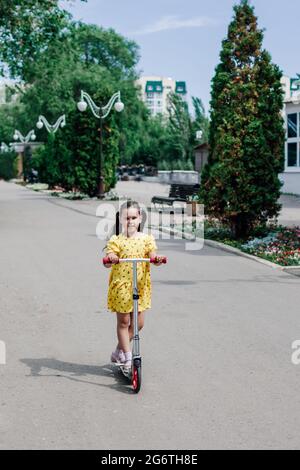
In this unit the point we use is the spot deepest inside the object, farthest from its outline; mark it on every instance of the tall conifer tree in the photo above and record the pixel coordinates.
(240, 184)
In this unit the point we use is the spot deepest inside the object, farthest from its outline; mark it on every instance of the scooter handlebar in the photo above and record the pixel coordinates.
(162, 259)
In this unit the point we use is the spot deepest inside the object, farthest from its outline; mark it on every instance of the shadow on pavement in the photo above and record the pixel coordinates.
(72, 371)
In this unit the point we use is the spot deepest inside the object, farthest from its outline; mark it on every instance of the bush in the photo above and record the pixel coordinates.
(8, 168)
(164, 165)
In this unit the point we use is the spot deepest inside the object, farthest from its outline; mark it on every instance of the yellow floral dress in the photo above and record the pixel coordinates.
(119, 297)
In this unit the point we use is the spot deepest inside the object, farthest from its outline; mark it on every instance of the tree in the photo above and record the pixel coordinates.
(200, 122)
(151, 140)
(180, 132)
(240, 184)
(8, 168)
(27, 28)
(179, 128)
(60, 74)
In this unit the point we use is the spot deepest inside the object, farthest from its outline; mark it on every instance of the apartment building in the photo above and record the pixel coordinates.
(291, 114)
(155, 91)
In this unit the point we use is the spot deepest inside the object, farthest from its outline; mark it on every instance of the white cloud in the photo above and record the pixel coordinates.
(173, 22)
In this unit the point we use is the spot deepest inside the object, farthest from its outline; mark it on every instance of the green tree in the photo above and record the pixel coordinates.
(180, 132)
(8, 165)
(179, 129)
(27, 28)
(152, 139)
(200, 122)
(100, 71)
(240, 184)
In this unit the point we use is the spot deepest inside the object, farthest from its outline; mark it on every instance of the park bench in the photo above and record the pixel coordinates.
(178, 192)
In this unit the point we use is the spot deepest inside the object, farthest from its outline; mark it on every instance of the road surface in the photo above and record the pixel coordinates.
(217, 369)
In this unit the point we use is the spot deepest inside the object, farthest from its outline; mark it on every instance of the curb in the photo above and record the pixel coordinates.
(294, 270)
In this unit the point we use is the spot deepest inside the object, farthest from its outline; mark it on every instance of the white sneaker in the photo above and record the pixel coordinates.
(127, 360)
(127, 364)
(117, 356)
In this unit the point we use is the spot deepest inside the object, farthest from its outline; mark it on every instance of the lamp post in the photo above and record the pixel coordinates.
(100, 112)
(24, 140)
(20, 149)
(61, 122)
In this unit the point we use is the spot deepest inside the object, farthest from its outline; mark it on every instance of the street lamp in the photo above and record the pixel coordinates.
(20, 148)
(30, 136)
(199, 135)
(100, 112)
(4, 148)
(61, 122)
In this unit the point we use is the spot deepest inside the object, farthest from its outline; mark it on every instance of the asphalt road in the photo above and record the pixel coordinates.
(217, 370)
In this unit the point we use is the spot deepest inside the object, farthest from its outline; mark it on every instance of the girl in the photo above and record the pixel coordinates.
(130, 243)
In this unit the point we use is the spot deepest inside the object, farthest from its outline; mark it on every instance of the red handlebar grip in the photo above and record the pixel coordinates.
(106, 260)
(163, 259)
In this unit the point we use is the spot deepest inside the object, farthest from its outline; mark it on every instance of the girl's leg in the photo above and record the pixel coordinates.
(123, 322)
(141, 321)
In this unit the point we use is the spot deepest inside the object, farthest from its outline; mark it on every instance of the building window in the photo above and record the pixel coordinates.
(292, 125)
(292, 154)
(149, 95)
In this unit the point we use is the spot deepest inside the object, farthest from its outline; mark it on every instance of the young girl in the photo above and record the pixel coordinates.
(130, 243)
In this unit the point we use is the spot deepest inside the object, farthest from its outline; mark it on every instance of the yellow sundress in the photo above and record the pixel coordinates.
(119, 298)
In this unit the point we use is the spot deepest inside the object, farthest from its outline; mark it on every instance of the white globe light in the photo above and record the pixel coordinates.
(39, 124)
(16, 137)
(33, 137)
(81, 105)
(62, 124)
(119, 106)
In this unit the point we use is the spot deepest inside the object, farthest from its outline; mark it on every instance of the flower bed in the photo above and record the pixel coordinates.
(281, 247)
(277, 244)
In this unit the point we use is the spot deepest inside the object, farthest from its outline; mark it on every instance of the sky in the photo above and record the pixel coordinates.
(182, 38)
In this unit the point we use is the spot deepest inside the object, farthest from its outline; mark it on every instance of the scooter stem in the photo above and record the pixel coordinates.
(136, 339)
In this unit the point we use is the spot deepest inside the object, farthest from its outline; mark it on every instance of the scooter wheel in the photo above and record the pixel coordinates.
(136, 378)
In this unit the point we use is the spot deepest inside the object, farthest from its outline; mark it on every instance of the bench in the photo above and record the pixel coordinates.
(178, 192)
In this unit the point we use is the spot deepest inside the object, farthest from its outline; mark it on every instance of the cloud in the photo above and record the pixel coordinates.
(173, 22)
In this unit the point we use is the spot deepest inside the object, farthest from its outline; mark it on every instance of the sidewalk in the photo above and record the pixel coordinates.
(143, 192)
(290, 213)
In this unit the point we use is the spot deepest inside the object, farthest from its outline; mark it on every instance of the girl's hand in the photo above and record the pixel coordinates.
(114, 259)
(158, 260)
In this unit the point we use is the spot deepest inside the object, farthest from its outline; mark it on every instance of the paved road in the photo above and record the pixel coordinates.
(290, 213)
(216, 346)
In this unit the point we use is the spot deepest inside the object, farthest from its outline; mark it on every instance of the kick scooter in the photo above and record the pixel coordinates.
(135, 375)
